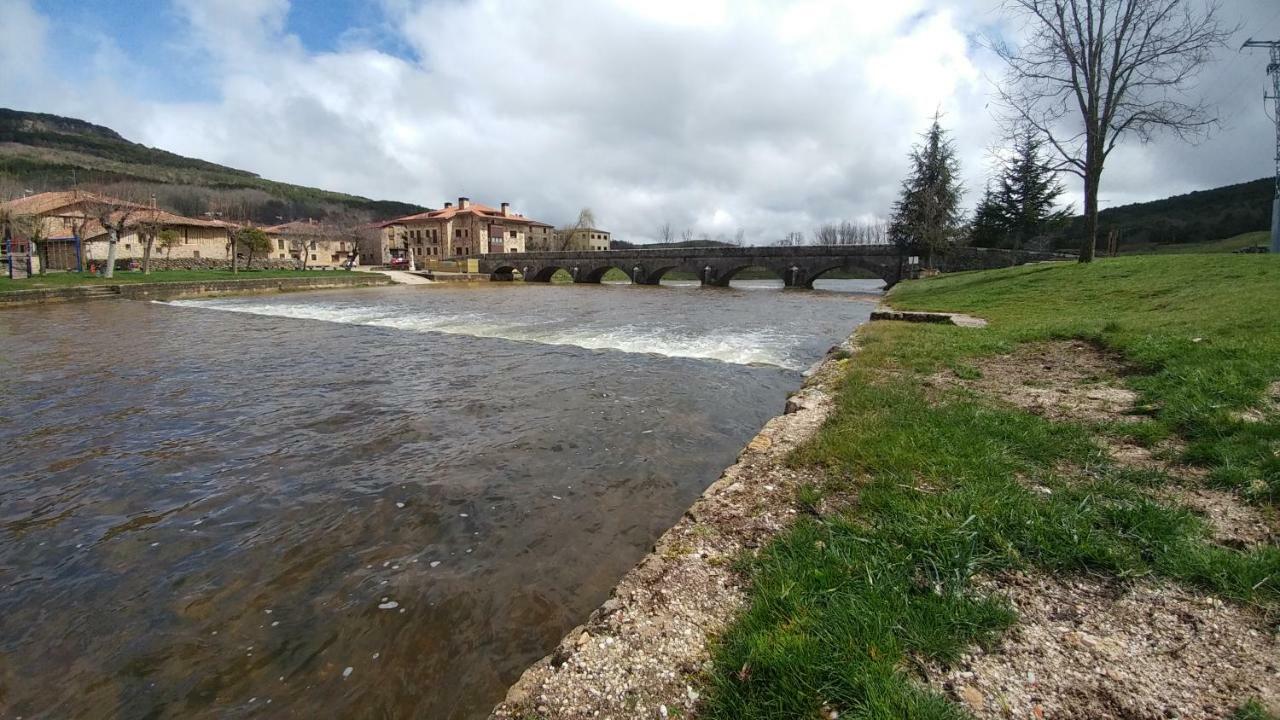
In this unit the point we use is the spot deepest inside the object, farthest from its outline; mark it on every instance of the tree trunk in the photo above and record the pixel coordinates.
(1090, 216)
(146, 253)
(248, 262)
(234, 263)
(113, 237)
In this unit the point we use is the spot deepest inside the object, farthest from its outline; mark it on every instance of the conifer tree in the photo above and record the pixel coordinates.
(1029, 188)
(990, 225)
(926, 217)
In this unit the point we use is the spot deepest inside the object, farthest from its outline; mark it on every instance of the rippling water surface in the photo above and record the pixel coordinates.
(374, 503)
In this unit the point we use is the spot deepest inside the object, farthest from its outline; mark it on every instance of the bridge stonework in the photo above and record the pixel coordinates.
(797, 266)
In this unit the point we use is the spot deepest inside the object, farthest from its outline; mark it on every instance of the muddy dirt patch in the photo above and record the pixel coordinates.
(1096, 649)
(1060, 380)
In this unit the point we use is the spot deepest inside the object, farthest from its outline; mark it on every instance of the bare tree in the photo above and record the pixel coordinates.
(686, 235)
(665, 233)
(116, 217)
(827, 234)
(1090, 72)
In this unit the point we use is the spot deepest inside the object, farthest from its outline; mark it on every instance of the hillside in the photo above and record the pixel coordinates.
(47, 152)
(1197, 217)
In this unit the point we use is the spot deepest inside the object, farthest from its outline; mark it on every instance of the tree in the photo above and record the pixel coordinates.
(254, 240)
(168, 239)
(149, 229)
(686, 236)
(30, 228)
(1029, 189)
(665, 233)
(115, 218)
(990, 224)
(926, 216)
(586, 221)
(1090, 72)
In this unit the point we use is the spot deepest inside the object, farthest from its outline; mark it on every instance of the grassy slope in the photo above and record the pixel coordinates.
(842, 605)
(58, 280)
(1226, 245)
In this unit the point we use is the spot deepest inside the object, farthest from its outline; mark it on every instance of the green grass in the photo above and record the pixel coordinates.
(1227, 245)
(1253, 710)
(67, 279)
(845, 608)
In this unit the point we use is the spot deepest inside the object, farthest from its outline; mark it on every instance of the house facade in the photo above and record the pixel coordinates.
(313, 244)
(455, 231)
(584, 239)
(74, 236)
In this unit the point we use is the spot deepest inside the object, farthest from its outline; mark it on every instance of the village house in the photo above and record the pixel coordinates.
(583, 239)
(74, 235)
(312, 244)
(462, 230)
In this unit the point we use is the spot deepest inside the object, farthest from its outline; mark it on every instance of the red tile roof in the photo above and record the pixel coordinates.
(474, 208)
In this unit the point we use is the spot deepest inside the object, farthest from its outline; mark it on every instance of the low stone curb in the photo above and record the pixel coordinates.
(918, 316)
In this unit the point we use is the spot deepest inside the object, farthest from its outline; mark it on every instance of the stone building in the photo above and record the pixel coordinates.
(313, 244)
(74, 234)
(462, 230)
(583, 239)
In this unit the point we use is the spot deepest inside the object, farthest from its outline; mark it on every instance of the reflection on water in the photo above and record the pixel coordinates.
(358, 503)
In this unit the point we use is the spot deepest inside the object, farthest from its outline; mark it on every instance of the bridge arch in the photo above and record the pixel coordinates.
(865, 269)
(722, 276)
(544, 273)
(505, 273)
(596, 274)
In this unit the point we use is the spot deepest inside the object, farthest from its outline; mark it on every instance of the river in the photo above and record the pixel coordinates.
(370, 503)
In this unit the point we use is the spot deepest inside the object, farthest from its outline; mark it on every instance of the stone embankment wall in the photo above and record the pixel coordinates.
(186, 263)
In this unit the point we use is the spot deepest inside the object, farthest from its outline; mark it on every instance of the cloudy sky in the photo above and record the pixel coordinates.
(713, 115)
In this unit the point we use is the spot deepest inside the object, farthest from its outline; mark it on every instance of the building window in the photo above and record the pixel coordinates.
(513, 233)
(195, 254)
(127, 246)
(313, 256)
(280, 244)
(457, 232)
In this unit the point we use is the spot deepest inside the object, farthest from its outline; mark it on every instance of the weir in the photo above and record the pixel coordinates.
(797, 266)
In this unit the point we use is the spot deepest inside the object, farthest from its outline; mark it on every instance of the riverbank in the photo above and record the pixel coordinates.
(178, 284)
(1070, 512)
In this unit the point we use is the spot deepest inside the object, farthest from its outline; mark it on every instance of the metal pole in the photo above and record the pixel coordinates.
(1273, 69)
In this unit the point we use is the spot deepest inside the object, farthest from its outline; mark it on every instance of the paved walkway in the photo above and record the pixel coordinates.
(400, 276)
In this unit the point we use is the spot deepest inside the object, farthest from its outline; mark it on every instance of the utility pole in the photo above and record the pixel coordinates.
(1273, 69)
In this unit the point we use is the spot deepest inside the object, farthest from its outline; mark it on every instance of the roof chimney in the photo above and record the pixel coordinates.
(464, 203)
(506, 209)
(448, 205)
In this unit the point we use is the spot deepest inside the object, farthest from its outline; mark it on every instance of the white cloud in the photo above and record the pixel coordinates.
(713, 115)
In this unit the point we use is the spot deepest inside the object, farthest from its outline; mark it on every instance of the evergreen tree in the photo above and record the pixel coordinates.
(1022, 206)
(990, 225)
(926, 217)
(1029, 188)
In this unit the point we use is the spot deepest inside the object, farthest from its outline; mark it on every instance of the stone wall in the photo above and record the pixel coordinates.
(204, 264)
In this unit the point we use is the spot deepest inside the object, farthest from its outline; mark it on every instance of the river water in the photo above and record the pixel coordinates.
(371, 503)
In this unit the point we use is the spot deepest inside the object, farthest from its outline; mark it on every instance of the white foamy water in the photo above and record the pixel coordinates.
(736, 346)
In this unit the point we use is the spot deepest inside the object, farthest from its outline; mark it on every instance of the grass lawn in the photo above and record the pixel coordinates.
(67, 279)
(1226, 245)
(937, 481)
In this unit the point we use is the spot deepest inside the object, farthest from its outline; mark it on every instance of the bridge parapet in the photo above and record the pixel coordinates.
(797, 266)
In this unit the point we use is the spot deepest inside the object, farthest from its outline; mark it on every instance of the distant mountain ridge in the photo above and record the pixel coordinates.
(1195, 217)
(39, 152)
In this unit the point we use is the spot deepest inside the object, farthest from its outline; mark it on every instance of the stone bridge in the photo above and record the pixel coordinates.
(797, 266)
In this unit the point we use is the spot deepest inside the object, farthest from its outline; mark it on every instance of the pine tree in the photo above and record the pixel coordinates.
(1029, 188)
(926, 217)
(990, 225)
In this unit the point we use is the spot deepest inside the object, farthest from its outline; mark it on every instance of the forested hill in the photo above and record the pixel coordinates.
(1196, 217)
(42, 152)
